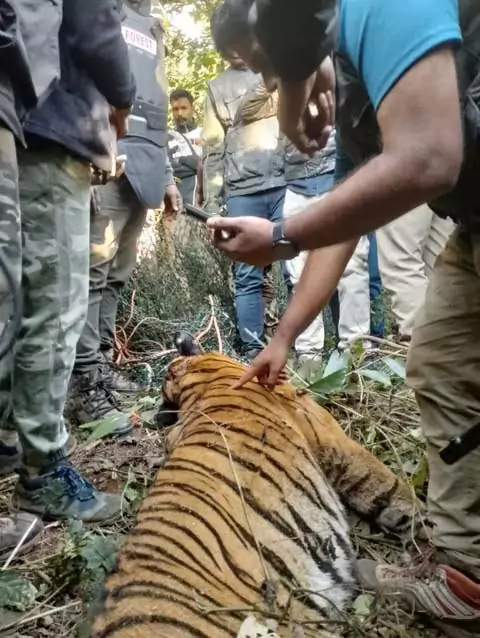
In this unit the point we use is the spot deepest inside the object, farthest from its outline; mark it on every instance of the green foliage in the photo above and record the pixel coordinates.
(16, 592)
(337, 376)
(177, 288)
(191, 63)
(101, 428)
(84, 561)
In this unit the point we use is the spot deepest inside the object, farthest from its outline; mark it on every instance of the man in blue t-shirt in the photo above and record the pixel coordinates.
(399, 119)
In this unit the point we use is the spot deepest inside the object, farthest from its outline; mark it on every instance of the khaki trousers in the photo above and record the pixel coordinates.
(444, 371)
(407, 250)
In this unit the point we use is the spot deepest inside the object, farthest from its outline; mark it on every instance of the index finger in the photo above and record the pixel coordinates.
(250, 373)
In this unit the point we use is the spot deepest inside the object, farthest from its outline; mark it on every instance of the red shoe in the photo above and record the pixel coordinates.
(448, 597)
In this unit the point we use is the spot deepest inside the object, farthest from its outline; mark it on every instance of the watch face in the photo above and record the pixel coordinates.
(284, 250)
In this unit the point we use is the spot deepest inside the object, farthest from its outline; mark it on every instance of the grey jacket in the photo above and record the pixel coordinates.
(242, 149)
(301, 166)
(224, 94)
(254, 149)
(148, 167)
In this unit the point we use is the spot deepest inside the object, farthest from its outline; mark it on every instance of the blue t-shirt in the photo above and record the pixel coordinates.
(384, 38)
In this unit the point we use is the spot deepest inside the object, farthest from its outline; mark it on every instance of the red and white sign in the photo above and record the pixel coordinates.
(139, 40)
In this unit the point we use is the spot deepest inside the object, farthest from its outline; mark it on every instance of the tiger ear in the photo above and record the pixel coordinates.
(186, 344)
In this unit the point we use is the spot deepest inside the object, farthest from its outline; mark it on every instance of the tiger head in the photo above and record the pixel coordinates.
(192, 368)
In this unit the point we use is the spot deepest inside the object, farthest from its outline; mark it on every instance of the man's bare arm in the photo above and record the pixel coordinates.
(420, 122)
(321, 274)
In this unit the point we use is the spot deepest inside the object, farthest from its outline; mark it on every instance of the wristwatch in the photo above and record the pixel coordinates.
(283, 248)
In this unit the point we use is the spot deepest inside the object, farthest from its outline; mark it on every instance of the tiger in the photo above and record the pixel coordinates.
(247, 517)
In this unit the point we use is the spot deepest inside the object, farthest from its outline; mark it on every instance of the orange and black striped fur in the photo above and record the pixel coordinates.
(245, 516)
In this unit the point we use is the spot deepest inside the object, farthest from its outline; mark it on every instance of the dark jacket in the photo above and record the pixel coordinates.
(148, 168)
(29, 56)
(242, 148)
(95, 72)
(185, 162)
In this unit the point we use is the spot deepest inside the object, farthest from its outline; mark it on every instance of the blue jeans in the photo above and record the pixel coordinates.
(249, 279)
(377, 304)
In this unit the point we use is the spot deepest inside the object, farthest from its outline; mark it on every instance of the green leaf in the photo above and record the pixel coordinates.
(133, 493)
(396, 366)
(363, 606)
(329, 384)
(148, 416)
(147, 401)
(100, 552)
(104, 428)
(375, 375)
(420, 477)
(16, 592)
(338, 361)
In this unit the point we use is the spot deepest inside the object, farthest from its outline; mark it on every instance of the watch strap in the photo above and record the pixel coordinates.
(279, 236)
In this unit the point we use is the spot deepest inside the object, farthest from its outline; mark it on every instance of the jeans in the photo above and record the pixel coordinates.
(377, 303)
(248, 280)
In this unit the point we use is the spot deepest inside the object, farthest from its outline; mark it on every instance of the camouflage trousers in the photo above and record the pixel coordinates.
(10, 233)
(48, 250)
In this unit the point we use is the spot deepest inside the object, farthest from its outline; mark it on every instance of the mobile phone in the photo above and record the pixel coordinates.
(198, 213)
(202, 216)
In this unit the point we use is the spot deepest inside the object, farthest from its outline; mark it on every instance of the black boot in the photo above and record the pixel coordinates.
(117, 381)
(89, 400)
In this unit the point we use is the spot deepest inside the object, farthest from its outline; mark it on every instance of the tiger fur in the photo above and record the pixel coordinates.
(245, 516)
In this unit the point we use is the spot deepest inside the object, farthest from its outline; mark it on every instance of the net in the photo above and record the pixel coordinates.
(181, 283)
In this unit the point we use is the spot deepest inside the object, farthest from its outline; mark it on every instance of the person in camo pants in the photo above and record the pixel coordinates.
(53, 231)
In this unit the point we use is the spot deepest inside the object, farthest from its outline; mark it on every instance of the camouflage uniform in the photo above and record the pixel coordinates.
(10, 234)
(54, 226)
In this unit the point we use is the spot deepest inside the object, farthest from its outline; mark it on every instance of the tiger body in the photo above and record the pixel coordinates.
(244, 517)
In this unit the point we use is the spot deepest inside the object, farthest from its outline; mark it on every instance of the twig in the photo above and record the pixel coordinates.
(219, 336)
(384, 342)
(244, 505)
(43, 614)
(131, 309)
(199, 336)
(19, 545)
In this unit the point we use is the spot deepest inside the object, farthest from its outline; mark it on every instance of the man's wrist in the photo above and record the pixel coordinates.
(283, 248)
(284, 333)
(289, 233)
